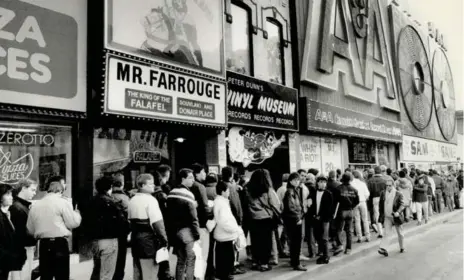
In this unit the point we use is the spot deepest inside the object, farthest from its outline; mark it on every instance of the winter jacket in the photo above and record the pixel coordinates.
(182, 213)
(292, 206)
(376, 185)
(362, 189)
(162, 199)
(451, 187)
(326, 209)
(261, 208)
(211, 191)
(439, 182)
(332, 185)
(398, 206)
(235, 203)
(122, 198)
(347, 197)
(204, 212)
(419, 193)
(19, 213)
(12, 253)
(226, 228)
(404, 186)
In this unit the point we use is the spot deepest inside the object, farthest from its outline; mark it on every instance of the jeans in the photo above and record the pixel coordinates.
(321, 233)
(309, 234)
(430, 198)
(144, 269)
(407, 213)
(185, 261)
(294, 237)
(344, 222)
(261, 240)
(282, 240)
(438, 200)
(274, 250)
(121, 260)
(422, 206)
(360, 215)
(225, 258)
(105, 256)
(210, 265)
(375, 202)
(388, 225)
(54, 259)
(450, 200)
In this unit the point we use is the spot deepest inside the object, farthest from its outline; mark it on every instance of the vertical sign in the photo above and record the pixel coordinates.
(310, 152)
(332, 154)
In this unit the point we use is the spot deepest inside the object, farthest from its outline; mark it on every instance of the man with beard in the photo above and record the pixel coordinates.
(321, 212)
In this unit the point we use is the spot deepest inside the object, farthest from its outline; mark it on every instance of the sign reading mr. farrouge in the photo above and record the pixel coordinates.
(137, 89)
(42, 53)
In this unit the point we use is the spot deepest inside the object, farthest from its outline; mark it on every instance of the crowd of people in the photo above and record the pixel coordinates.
(205, 221)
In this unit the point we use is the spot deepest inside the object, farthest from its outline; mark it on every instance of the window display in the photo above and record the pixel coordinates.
(36, 152)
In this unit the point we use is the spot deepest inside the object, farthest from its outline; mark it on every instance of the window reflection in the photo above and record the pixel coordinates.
(274, 52)
(238, 42)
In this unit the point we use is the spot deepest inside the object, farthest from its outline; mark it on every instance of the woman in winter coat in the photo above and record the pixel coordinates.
(404, 186)
(12, 253)
(225, 233)
(264, 214)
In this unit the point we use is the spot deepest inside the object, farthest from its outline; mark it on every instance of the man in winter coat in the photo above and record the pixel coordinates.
(439, 187)
(419, 196)
(376, 185)
(360, 211)
(451, 187)
(404, 186)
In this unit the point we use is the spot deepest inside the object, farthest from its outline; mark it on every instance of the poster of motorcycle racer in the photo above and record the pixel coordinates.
(187, 32)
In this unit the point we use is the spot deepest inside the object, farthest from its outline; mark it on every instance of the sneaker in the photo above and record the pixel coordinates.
(322, 260)
(238, 271)
(300, 268)
(303, 258)
(402, 250)
(265, 267)
(383, 252)
(380, 236)
(338, 250)
(273, 263)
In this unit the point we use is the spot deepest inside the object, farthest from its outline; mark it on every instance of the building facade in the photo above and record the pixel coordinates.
(350, 112)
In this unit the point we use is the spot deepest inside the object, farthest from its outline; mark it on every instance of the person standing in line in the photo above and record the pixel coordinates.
(226, 232)
(148, 230)
(321, 212)
(332, 185)
(210, 184)
(451, 186)
(23, 194)
(165, 172)
(204, 212)
(347, 199)
(123, 199)
(184, 228)
(104, 221)
(308, 225)
(404, 186)
(292, 216)
(360, 211)
(419, 196)
(303, 192)
(439, 187)
(12, 252)
(227, 176)
(376, 185)
(391, 215)
(282, 233)
(383, 171)
(431, 193)
(51, 220)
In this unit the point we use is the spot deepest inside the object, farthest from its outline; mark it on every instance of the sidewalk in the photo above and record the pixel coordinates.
(82, 271)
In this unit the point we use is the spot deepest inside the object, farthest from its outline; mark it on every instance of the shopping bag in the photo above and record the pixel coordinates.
(199, 263)
(241, 241)
(162, 255)
(210, 225)
(413, 208)
(172, 262)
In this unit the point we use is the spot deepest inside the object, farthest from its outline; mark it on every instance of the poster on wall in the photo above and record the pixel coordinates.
(36, 38)
(182, 32)
(310, 152)
(50, 166)
(138, 89)
(331, 150)
(248, 147)
(259, 103)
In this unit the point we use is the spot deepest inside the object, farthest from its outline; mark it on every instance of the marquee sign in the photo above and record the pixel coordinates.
(352, 51)
(424, 150)
(135, 88)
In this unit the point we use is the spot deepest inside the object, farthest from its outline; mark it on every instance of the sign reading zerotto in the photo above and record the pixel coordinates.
(138, 89)
(419, 149)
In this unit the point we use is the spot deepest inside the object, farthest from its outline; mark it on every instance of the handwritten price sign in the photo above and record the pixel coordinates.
(332, 155)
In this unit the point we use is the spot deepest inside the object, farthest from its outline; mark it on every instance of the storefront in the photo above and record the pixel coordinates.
(163, 97)
(43, 46)
(260, 115)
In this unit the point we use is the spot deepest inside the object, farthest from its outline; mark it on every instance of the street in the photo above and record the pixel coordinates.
(437, 254)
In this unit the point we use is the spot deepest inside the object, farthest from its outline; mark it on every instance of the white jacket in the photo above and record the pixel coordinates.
(362, 189)
(227, 228)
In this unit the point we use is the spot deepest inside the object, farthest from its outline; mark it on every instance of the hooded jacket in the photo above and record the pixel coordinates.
(404, 186)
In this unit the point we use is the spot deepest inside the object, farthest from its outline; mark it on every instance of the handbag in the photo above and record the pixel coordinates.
(162, 255)
(275, 215)
(241, 241)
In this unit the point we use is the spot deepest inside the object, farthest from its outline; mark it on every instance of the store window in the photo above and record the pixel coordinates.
(36, 152)
(274, 52)
(238, 54)
(361, 152)
(128, 152)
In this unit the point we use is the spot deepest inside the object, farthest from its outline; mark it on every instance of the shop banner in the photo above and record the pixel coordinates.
(259, 103)
(310, 152)
(331, 151)
(137, 89)
(424, 150)
(327, 118)
(187, 33)
(43, 52)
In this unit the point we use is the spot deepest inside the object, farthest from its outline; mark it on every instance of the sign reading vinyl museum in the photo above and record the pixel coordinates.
(138, 89)
(258, 103)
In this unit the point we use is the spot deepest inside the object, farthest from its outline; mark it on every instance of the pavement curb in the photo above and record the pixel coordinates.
(357, 253)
